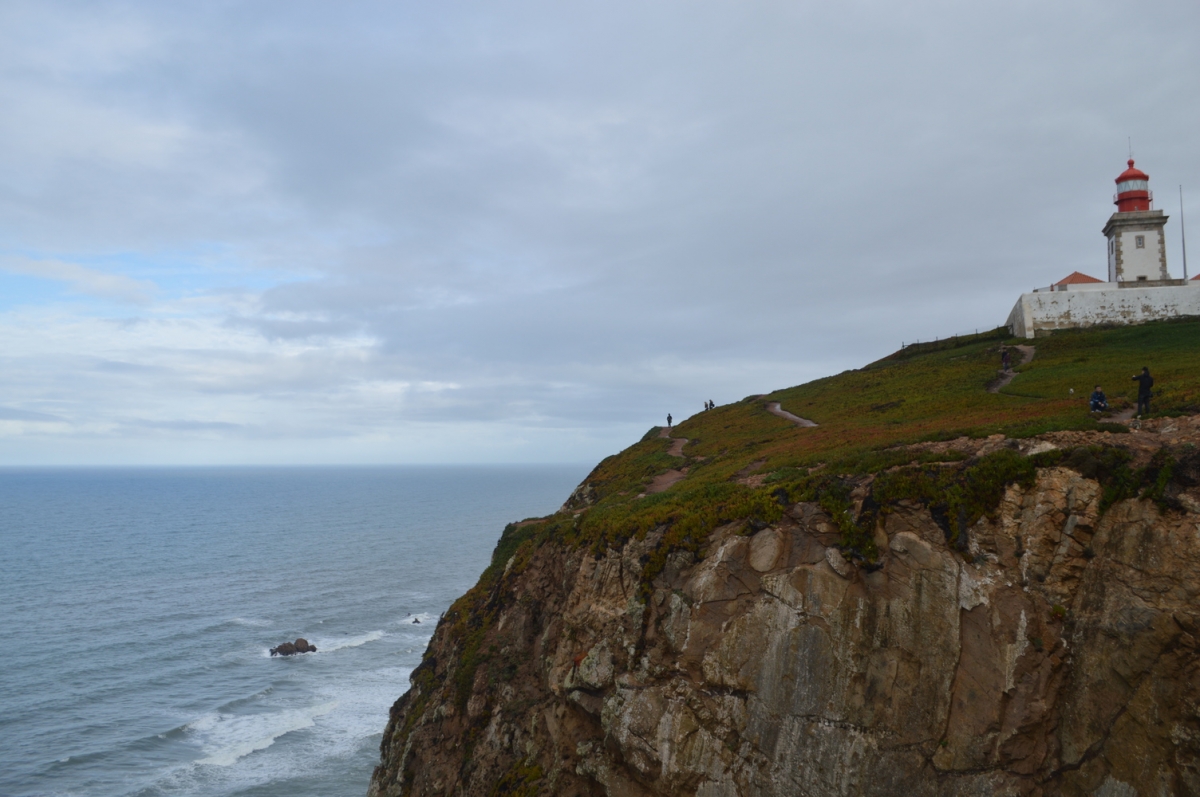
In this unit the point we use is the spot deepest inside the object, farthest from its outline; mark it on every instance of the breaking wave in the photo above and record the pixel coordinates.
(224, 738)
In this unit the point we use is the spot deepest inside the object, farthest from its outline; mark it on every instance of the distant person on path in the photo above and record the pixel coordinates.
(712, 405)
(1006, 360)
(1099, 401)
(1145, 382)
(668, 420)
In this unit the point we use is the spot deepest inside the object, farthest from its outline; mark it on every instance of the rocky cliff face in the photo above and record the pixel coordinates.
(1051, 650)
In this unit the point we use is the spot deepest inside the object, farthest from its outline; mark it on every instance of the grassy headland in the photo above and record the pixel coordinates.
(745, 464)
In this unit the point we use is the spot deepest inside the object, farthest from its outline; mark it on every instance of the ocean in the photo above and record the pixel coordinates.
(139, 605)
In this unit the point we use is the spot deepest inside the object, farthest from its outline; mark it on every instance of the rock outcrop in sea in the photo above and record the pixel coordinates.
(1050, 649)
(301, 645)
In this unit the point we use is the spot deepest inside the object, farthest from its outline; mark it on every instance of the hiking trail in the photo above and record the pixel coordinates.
(664, 480)
(1006, 376)
(774, 408)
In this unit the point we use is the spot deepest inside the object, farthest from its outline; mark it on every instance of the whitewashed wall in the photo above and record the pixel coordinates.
(1042, 312)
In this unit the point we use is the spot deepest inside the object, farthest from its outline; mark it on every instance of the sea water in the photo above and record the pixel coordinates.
(138, 607)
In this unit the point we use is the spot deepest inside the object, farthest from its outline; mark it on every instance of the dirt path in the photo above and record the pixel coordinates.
(1006, 376)
(1001, 381)
(664, 480)
(677, 443)
(774, 408)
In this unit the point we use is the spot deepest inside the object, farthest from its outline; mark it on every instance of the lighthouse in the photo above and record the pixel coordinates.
(1139, 288)
(1137, 247)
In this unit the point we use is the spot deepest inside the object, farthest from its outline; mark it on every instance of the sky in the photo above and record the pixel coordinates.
(397, 232)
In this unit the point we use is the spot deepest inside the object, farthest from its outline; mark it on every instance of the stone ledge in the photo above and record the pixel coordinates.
(1152, 284)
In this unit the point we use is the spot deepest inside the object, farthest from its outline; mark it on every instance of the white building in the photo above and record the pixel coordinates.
(1139, 287)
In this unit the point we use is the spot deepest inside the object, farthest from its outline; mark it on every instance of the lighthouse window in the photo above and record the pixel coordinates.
(1139, 241)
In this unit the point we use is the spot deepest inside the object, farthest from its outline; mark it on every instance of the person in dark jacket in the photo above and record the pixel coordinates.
(1145, 382)
(1099, 401)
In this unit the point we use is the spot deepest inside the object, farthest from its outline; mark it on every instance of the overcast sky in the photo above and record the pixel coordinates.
(372, 232)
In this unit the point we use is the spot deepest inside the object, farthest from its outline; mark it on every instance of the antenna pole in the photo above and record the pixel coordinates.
(1182, 234)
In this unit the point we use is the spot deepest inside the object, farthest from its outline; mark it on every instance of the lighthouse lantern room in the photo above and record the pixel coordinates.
(1137, 247)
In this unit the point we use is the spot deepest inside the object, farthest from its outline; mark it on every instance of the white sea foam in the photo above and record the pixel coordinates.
(250, 621)
(266, 652)
(363, 702)
(352, 710)
(224, 738)
(330, 644)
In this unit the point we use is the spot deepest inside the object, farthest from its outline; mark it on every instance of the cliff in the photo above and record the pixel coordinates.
(1004, 614)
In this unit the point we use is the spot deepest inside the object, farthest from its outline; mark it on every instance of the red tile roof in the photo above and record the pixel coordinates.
(1076, 278)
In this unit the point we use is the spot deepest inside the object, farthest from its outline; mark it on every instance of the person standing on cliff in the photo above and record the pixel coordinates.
(1145, 382)
(1006, 360)
(668, 420)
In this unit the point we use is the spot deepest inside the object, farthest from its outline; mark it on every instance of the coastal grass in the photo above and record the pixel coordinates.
(924, 392)
(746, 464)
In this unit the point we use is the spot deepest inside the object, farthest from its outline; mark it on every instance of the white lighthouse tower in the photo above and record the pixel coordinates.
(1139, 287)
(1137, 246)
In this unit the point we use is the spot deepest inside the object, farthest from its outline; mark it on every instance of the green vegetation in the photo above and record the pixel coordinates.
(1080, 359)
(474, 613)
(939, 393)
(630, 471)
(520, 781)
(745, 464)
(958, 498)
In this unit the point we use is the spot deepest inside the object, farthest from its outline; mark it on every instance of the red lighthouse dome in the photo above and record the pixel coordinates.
(1133, 190)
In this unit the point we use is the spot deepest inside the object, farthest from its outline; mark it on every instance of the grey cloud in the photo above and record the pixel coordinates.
(579, 215)
(11, 414)
(121, 367)
(295, 328)
(182, 426)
